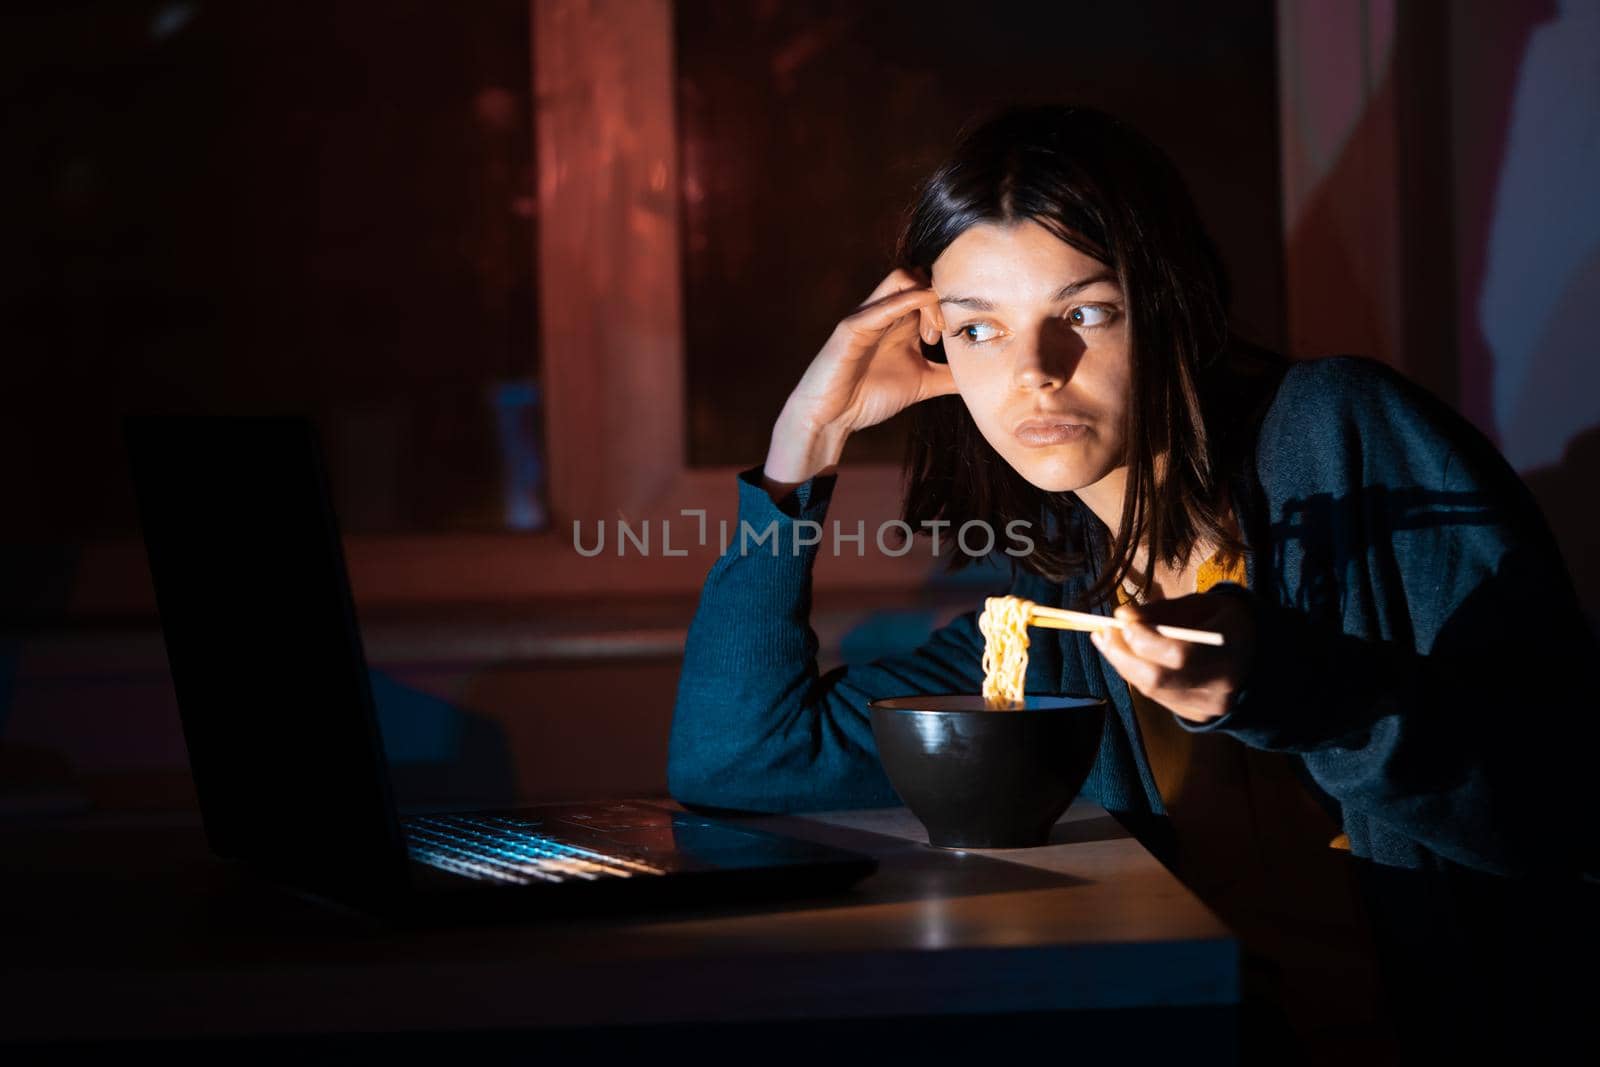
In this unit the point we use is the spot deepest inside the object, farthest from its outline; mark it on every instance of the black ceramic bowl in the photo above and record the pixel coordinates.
(987, 779)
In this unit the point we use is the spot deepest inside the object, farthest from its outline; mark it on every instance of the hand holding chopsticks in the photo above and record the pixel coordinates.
(1156, 659)
(1062, 619)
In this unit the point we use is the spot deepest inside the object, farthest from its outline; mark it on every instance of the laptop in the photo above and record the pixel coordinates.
(283, 736)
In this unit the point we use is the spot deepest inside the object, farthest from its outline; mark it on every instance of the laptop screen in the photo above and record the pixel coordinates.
(262, 639)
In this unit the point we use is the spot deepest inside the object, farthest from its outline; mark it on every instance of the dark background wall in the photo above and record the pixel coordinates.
(253, 207)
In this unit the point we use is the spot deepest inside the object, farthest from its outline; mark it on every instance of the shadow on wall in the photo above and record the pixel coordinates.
(1534, 307)
(1556, 412)
(1566, 493)
(1528, 229)
(1530, 310)
(1488, 119)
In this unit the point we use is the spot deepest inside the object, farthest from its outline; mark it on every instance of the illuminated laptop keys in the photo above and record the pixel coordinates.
(497, 849)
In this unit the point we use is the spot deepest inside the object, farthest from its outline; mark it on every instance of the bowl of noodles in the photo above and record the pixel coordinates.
(994, 769)
(980, 778)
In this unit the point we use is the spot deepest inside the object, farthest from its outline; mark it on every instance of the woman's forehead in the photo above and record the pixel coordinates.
(1021, 262)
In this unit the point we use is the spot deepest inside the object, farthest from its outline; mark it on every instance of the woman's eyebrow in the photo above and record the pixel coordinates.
(978, 303)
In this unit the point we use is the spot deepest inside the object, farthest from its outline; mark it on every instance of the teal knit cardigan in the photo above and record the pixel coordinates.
(1421, 650)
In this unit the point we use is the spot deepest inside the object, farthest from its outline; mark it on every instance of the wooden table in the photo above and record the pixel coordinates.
(125, 928)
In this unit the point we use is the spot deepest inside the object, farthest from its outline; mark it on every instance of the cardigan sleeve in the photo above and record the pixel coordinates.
(1446, 699)
(756, 727)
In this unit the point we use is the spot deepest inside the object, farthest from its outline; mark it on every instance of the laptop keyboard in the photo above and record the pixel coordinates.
(496, 848)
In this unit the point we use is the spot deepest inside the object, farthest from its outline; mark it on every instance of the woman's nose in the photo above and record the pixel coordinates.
(1047, 359)
(1033, 374)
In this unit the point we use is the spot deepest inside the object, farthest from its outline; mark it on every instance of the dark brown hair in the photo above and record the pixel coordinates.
(1111, 194)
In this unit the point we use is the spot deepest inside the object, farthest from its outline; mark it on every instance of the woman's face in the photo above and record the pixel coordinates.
(1037, 341)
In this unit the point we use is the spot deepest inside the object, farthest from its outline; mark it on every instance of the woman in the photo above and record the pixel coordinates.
(1403, 640)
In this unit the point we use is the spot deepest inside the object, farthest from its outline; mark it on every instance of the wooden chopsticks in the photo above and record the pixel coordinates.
(1062, 619)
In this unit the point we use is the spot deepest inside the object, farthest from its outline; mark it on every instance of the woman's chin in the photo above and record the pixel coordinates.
(1062, 486)
(1057, 477)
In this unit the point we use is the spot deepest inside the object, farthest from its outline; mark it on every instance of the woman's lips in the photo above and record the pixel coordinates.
(1037, 433)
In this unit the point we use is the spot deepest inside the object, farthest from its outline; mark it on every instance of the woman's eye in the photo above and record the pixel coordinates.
(965, 334)
(1090, 315)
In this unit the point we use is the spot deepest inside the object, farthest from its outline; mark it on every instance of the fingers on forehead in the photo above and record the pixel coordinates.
(883, 312)
(897, 279)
